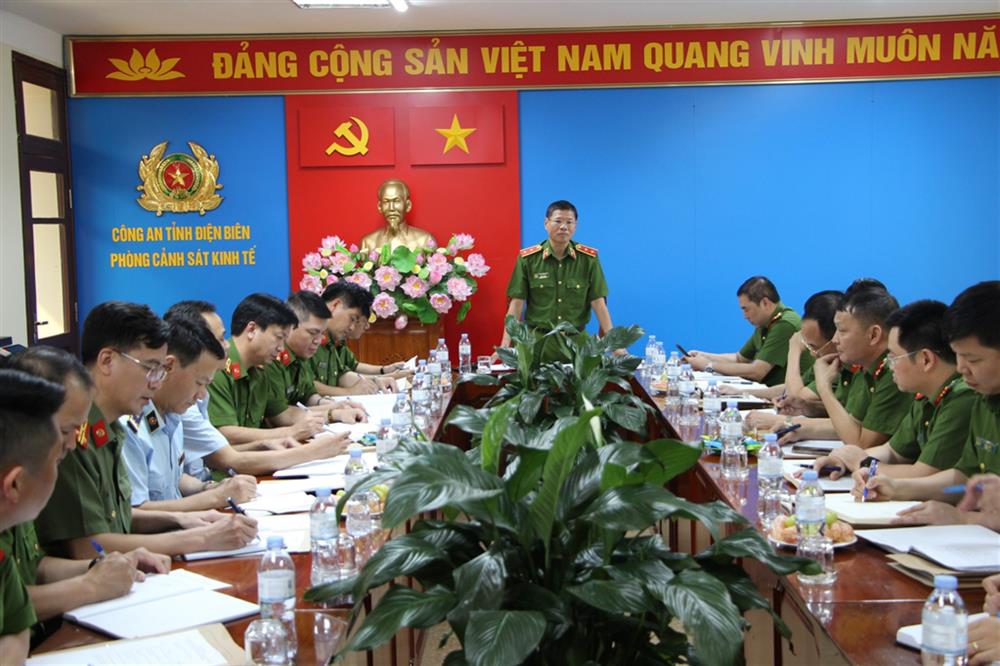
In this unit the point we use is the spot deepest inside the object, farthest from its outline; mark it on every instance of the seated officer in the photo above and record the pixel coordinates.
(764, 356)
(972, 324)
(154, 439)
(871, 407)
(203, 443)
(123, 346)
(930, 437)
(30, 450)
(291, 374)
(56, 585)
(336, 369)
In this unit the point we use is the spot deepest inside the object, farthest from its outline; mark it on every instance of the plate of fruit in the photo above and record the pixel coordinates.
(783, 531)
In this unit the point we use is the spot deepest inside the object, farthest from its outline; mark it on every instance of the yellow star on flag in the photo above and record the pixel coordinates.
(456, 135)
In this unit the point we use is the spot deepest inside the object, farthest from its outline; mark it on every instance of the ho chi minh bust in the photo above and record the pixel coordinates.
(394, 203)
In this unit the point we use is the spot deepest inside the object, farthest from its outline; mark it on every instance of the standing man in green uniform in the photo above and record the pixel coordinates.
(123, 346)
(30, 451)
(973, 326)
(560, 280)
(763, 357)
(931, 435)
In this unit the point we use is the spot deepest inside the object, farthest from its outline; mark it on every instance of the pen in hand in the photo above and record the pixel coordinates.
(872, 470)
(235, 507)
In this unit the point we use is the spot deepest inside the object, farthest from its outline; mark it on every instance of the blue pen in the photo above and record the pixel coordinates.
(872, 469)
(97, 547)
(235, 507)
(230, 472)
(960, 488)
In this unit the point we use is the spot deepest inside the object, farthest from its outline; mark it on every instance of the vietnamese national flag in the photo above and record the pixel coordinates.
(456, 135)
(347, 136)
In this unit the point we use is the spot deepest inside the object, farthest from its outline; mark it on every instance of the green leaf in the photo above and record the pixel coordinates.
(502, 638)
(613, 476)
(463, 311)
(751, 543)
(525, 356)
(628, 507)
(630, 418)
(621, 337)
(558, 464)
(410, 307)
(493, 435)
(467, 419)
(612, 596)
(675, 456)
(702, 604)
(743, 592)
(527, 474)
(403, 259)
(508, 356)
(479, 585)
(652, 574)
(529, 405)
(401, 607)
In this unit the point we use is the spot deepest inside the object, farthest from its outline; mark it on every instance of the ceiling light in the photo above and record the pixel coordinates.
(400, 5)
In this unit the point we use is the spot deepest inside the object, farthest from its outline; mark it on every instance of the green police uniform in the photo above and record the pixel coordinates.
(21, 544)
(291, 377)
(93, 492)
(242, 396)
(16, 611)
(874, 400)
(935, 428)
(557, 290)
(981, 453)
(769, 342)
(331, 361)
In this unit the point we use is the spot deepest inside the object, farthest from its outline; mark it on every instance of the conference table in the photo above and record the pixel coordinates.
(854, 622)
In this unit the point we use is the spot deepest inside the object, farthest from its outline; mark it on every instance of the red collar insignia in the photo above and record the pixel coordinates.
(856, 368)
(233, 369)
(285, 357)
(99, 433)
(325, 341)
(881, 367)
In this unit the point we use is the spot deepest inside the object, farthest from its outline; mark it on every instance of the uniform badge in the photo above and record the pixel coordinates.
(233, 369)
(152, 422)
(81, 434)
(179, 183)
(590, 251)
(285, 357)
(133, 424)
(99, 433)
(324, 341)
(528, 251)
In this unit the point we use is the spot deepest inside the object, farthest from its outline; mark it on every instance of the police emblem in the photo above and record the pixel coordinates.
(179, 183)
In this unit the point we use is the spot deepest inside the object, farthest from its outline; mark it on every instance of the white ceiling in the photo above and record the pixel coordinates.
(184, 17)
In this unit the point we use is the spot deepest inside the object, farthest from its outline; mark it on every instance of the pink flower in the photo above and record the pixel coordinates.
(312, 261)
(338, 261)
(401, 322)
(363, 280)
(419, 259)
(441, 303)
(331, 278)
(324, 260)
(431, 244)
(459, 289)
(311, 283)
(414, 287)
(439, 262)
(462, 242)
(331, 242)
(353, 248)
(435, 276)
(476, 265)
(387, 278)
(373, 255)
(384, 305)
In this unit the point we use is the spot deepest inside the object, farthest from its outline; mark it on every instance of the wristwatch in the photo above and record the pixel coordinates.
(867, 462)
(709, 368)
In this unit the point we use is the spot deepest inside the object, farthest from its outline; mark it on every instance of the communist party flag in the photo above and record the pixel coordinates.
(456, 135)
(346, 136)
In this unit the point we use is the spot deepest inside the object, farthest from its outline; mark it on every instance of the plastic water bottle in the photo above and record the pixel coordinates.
(347, 565)
(355, 469)
(649, 360)
(387, 439)
(276, 590)
(402, 418)
(323, 530)
(421, 398)
(770, 473)
(359, 524)
(810, 522)
(712, 406)
(435, 376)
(944, 625)
(672, 369)
(685, 381)
(734, 451)
(442, 357)
(464, 355)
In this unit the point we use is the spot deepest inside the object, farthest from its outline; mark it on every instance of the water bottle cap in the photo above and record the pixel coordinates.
(673, 354)
(946, 582)
(440, 341)
(422, 361)
(323, 492)
(732, 404)
(712, 382)
(770, 437)
(652, 338)
(810, 475)
(354, 449)
(465, 335)
(275, 542)
(685, 366)
(386, 421)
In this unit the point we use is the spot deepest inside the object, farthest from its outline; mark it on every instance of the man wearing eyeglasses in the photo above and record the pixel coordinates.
(560, 280)
(931, 435)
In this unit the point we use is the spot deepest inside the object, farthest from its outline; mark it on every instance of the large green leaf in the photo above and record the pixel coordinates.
(628, 508)
(581, 486)
(401, 607)
(493, 436)
(612, 596)
(467, 419)
(463, 311)
(743, 591)
(621, 337)
(478, 585)
(525, 358)
(529, 405)
(675, 457)
(652, 574)
(558, 464)
(403, 259)
(508, 356)
(529, 470)
(630, 418)
(751, 543)
(702, 604)
(502, 638)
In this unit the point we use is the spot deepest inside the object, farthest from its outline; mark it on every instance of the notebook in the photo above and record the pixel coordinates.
(205, 645)
(871, 514)
(966, 548)
(790, 467)
(912, 636)
(255, 546)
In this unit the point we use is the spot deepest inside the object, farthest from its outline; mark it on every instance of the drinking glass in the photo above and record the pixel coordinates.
(266, 643)
(483, 365)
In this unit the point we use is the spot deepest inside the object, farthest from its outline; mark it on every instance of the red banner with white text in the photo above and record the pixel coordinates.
(255, 64)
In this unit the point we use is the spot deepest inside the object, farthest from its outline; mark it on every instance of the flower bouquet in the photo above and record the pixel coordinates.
(427, 282)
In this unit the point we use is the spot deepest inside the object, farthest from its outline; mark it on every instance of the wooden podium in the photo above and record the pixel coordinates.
(383, 344)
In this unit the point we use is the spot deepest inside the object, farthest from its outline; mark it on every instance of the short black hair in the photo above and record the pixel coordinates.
(864, 283)
(306, 303)
(871, 306)
(264, 310)
(353, 295)
(757, 288)
(976, 312)
(51, 363)
(820, 307)
(190, 309)
(189, 337)
(560, 204)
(122, 326)
(921, 326)
(27, 404)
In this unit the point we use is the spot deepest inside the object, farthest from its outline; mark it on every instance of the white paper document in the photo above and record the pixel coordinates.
(327, 466)
(912, 636)
(875, 514)
(252, 548)
(187, 647)
(286, 486)
(966, 548)
(276, 504)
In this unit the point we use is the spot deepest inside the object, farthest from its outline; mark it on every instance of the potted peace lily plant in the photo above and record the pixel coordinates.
(425, 283)
(545, 550)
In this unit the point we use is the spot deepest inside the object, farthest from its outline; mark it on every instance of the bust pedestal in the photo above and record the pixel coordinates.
(383, 344)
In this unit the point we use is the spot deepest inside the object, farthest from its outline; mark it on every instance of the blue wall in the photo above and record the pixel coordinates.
(688, 191)
(247, 136)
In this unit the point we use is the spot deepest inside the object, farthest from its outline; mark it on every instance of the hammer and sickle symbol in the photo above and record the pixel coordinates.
(358, 144)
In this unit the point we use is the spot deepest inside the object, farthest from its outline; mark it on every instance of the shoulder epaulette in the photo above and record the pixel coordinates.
(586, 249)
(528, 251)
(133, 424)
